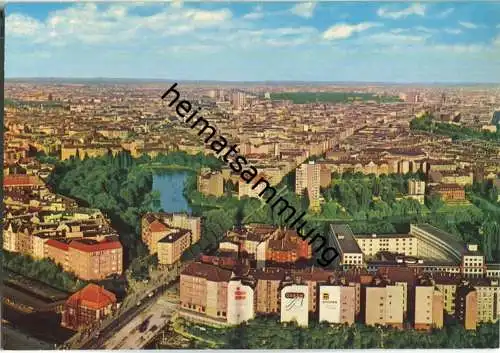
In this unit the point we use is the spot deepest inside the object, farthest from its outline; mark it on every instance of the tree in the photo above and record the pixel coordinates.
(490, 231)
(305, 202)
(433, 202)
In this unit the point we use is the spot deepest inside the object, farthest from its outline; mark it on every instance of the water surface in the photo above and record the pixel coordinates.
(170, 184)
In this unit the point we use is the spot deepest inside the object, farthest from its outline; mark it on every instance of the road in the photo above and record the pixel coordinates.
(159, 283)
(118, 324)
(152, 320)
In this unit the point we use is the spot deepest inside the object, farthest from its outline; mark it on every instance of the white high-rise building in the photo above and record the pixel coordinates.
(307, 176)
(238, 100)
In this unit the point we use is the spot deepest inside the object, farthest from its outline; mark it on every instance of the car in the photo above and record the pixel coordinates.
(144, 325)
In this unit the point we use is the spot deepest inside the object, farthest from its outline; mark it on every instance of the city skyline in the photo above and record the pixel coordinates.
(371, 42)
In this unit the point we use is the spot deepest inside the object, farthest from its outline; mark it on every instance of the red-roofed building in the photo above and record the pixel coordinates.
(92, 260)
(87, 306)
(57, 251)
(22, 181)
(87, 258)
(154, 230)
(156, 226)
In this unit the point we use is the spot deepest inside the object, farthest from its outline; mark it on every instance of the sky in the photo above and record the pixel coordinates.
(400, 42)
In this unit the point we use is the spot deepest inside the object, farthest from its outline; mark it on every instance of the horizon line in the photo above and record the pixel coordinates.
(254, 81)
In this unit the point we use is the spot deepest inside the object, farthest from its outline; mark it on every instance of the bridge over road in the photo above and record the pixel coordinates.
(134, 304)
(144, 327)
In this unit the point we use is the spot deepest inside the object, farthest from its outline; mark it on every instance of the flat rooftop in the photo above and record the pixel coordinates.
(383, 236)
(443, 236)
(345, 238)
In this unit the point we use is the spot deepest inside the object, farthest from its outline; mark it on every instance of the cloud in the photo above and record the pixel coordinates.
(253, 16)
(88, 23)
(276, 37)
(305, 9)
(414, 9)
(460, 48)
(189, 49)
(445, 13)
(425, 29)
(177, 4)
(256, 14)
(291, 42)
(468, 25)
(453, 30)
(392, 38)
(204, 16)
(22, 26)
(398, 30)
(343, 31)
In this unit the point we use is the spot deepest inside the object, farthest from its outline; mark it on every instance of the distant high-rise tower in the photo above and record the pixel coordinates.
(308, 177)
(220, 94)
(238, 100)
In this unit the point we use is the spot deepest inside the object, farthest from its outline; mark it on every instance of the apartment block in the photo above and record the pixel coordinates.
(416, 190)
(287, 247)
(416, 187)
(268, 290)
(488, 299)
(466, 306)
(157, 226)
(473, 262)
(308, 177)
(240, 302)
(395, 243)
(384, 305)
(450, 192)
(203, 291)
(347, 246)
(58, 252)
(313, 278)
(89, 259)
(211, 183)
(337, 304)
(428, 308)
(295, 304)
(447, 284)
(172, 246)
